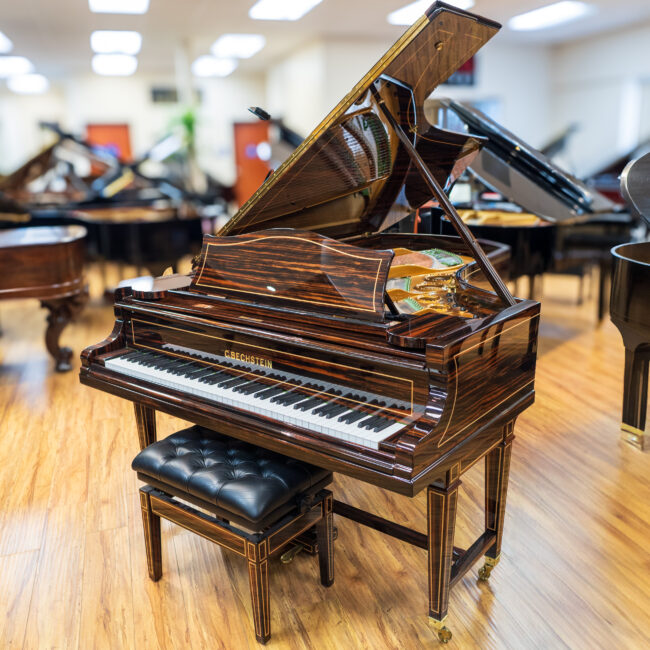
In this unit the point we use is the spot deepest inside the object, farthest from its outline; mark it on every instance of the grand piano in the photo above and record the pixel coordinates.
(130, 218)
(398, 359)
(630, 305)
(572, 227)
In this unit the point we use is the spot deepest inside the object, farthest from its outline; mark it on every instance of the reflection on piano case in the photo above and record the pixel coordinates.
(287, 335)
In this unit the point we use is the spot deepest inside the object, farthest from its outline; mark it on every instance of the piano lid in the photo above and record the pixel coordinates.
(524, 175)
(352, 175)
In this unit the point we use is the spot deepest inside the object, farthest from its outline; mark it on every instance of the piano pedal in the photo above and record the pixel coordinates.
(486, 569)
(308, 544)
(287, 556)
(443, 632)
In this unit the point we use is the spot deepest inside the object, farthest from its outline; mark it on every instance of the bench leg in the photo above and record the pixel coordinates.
(152, 540)
(258, 575)
(325, 537)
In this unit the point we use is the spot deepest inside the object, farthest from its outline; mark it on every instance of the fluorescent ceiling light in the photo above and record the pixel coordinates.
(281, 9)
(410, 13)
(554, 14)
(114, 65)
(14, 65)
(5, 44)
(238, 46)
(122, 42)
(119, 6)
(211, 66)
(28, 84)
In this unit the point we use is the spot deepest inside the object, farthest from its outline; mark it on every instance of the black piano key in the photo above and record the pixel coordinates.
(181, 368)
(204, 372)
(231, 383)
(385, 423)
(270, 391)
(290, 398)
(309, 404)
(332, 413)
(250, 387)
(197, 371)
(353, 416)
(331, 405)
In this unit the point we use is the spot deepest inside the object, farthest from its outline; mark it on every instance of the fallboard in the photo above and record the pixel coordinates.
(404, 389)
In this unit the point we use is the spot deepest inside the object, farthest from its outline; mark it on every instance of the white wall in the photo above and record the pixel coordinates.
(601, 83)
(305, 87)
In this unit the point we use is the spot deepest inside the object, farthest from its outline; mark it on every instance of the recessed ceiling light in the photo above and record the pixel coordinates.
(5, 44)
(122, 42)
(211, 66)
(114, 65)
(410, 13)
(238, 46)
(281, 9)
(14, 65)
(554, 14)
(119, 6)
(28, 84)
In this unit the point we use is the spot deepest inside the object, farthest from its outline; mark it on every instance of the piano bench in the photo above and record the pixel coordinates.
(272, 500)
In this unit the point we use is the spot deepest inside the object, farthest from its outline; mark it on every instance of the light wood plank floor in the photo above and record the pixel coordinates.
(575, 565)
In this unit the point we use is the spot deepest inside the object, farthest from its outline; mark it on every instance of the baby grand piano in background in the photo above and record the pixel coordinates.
(630, 305)
(287, 333)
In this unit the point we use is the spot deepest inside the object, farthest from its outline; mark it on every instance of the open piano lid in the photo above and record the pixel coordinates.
(352, 174)
(524, 175)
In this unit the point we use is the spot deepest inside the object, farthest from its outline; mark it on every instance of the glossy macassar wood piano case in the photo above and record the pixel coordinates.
(400, 360)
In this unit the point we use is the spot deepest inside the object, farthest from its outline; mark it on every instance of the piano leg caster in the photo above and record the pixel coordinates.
(443, 632)
(634, 436)
(485, 571)
(287, 556)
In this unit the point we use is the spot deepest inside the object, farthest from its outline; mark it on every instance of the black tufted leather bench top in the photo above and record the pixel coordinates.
(236, 477)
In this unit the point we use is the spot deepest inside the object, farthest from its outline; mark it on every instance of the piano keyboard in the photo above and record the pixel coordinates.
(244, 387)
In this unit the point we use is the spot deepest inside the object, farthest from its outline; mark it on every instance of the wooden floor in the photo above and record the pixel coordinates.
(575, 567)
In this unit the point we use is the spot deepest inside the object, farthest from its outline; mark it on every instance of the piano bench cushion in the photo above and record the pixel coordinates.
(239, 478)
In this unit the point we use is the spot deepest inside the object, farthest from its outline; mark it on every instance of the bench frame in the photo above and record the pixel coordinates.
(257, 548)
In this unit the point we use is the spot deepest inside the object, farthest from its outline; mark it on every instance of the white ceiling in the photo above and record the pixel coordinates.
(55, 34)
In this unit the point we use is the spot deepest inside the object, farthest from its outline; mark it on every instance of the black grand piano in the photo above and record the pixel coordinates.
(574, 226)
(630, 305)
(398, 359)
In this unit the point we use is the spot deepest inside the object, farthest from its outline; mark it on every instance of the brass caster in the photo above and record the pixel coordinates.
(444, 634)
(288, 556)
(486, 569)
(484, 573)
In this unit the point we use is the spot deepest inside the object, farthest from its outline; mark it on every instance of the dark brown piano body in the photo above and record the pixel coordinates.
(298, 285)
(46, 263)
(630, 306)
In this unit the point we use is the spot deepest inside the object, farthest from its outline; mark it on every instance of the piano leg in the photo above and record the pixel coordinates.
(145, 418)
(635, 396)
(152, 539)
(61, 312)
(442, 500)
(497, 471)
